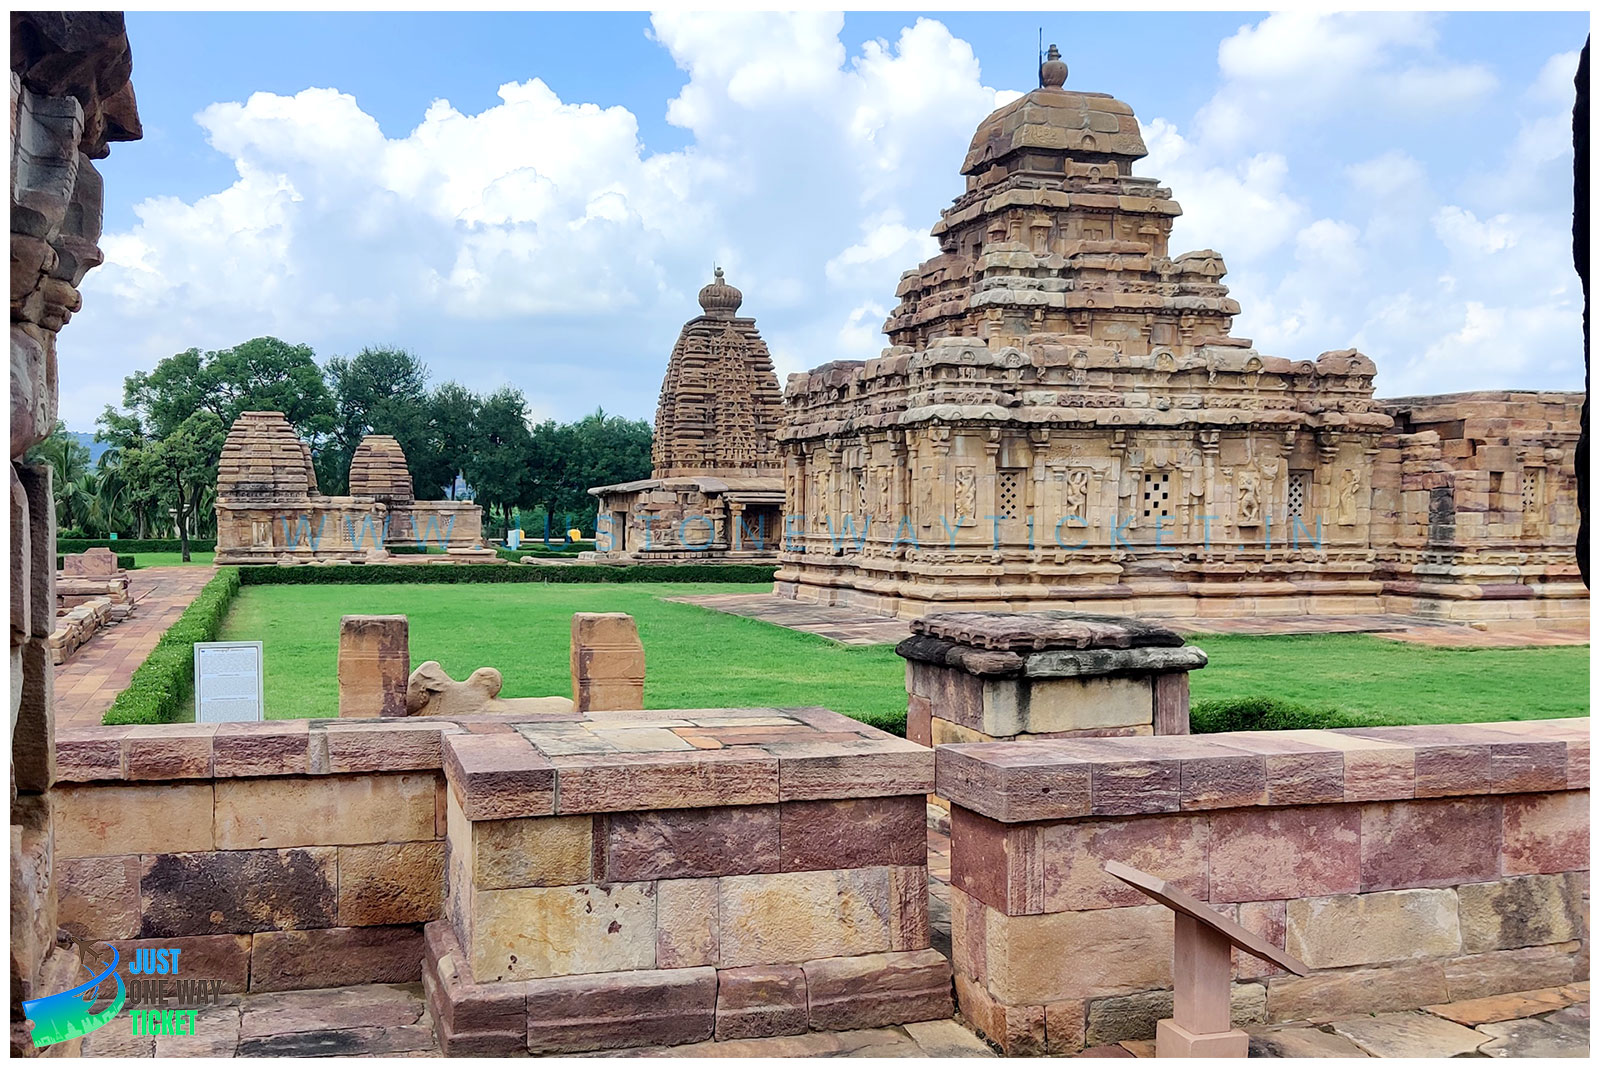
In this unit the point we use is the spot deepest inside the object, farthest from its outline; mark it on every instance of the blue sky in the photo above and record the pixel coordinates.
(1397, 183)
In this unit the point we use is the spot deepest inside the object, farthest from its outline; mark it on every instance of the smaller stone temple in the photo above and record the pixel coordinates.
(716, 490)
(269, 509)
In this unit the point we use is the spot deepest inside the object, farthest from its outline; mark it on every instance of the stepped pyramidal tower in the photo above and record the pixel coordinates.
(1064, 417)
(716, 489)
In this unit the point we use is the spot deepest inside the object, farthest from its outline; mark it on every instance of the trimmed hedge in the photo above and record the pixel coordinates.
(469, 574)
(73, 545)
(160, 690)
(1268, 713)
(125, 562)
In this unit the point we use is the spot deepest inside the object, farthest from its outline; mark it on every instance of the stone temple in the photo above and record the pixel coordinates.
(269, 509)
(716, 490)
(1064, 418)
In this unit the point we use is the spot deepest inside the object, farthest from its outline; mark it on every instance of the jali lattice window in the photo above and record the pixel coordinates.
(1156, 489)
(1532, 491)
(1008, 493)
(1299, 493)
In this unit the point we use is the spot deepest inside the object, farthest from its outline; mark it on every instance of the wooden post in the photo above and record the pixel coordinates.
(1202, 971)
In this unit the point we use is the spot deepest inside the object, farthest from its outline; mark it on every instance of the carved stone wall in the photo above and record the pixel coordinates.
(716, 490)
(71, 98)
(1063, 416)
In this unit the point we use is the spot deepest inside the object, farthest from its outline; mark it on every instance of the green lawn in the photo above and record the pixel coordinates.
(694, 658)
(699, 658)
(142, 560)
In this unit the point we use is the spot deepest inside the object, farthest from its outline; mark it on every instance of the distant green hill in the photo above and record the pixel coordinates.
(96, 448)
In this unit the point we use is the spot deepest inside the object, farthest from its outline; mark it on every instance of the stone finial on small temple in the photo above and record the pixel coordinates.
(1053, 71)
(607, 662)
(719, 299)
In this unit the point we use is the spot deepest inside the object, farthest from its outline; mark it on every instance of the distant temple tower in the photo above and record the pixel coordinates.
(716, 490)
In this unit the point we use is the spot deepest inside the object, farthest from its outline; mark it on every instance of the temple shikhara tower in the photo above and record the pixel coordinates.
(716, 488)
(1064, 418)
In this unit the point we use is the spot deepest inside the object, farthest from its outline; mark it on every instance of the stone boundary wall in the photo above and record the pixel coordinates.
(1407, 866)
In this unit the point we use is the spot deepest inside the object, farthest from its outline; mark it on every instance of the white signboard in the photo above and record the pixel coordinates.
(227, 681)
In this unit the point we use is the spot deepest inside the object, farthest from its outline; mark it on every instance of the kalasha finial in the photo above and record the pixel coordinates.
(1052, 72)
(719, 299)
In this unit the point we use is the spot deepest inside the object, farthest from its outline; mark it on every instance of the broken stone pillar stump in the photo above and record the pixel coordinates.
(607, 662)
(627, 878)
(995, 676)
(374, 665)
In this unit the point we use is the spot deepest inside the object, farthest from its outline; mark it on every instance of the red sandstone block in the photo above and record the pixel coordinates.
(638, 781)
(499, 776)
(827, 835)
(909, 926)
(761, 1002)
(1065, 1022)
(97, 897)
(1546, 833)
(323, 959)
(1453, 770)
(1173, 847)
(1222, 782)
(1020, 783)
(1137, 787)
(1297, 772)
(919, 719)
(219, 957)
(623, 1009)
(1018, 1030)
(641, 846)
(1418, 843)
(879, 989)
(998, 863)
(464, 1005)
(1273, 853)
(1528, 766)
(1269, 920)
(89, 753)
(385, 746)
(885, 766)
(254, 749)
(179, 750)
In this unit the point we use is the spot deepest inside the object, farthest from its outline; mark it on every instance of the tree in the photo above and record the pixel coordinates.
(180, 466)
(567, 459)
(72, 480)
(379, 390)
(452, 411)
(500, 448)
(266, 374)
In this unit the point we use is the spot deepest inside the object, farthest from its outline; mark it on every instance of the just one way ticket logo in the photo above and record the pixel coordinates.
(159, 1001)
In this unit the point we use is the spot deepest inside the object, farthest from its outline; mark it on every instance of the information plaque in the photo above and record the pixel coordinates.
(227, 681)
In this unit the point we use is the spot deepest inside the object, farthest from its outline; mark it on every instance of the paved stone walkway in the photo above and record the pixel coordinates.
(852, 626)
(88, 682)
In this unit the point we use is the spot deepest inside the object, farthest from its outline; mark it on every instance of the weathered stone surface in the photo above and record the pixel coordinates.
(260, 749)
(1301, 1042)
(237, 892)
(607, 662)
(219, 957)
(862, 832)
(1020, 784)
(1336, 994)
(499, 776)
(761, 1002)
(121, 819)
(332, 810)
(909, 928)
(1518, 912)
(1546, 833)
(1533, 1037)
(692, 843)
(612, 1011)
(947, 1039)
(883, 766)
(268, 1014)
(355, 746)
(1359, 929)
(1114, 950)
(1409, 1034)
(552, 850)
(323, 959)
(99, 897)
(1505, 1006)
(639, 781)
(178, 750)
(562, 930)
(1074, 854)
(88, 754)
(1133, 1017)
(1510, 971)
(687, 933)
(881, 989)
(999, 864)
(1268, 853)
(374, 662)
(1420, 843)
(1269, 920)
(1018, 1030)
(801, 916)
(383, 885)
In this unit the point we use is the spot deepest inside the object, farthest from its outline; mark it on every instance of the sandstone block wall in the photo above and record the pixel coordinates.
(1407, 865)
(635, 878)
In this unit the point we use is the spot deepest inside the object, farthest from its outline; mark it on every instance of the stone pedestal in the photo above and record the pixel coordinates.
(607, 662)
(621, 879)
(374, 665)
(991, 676)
